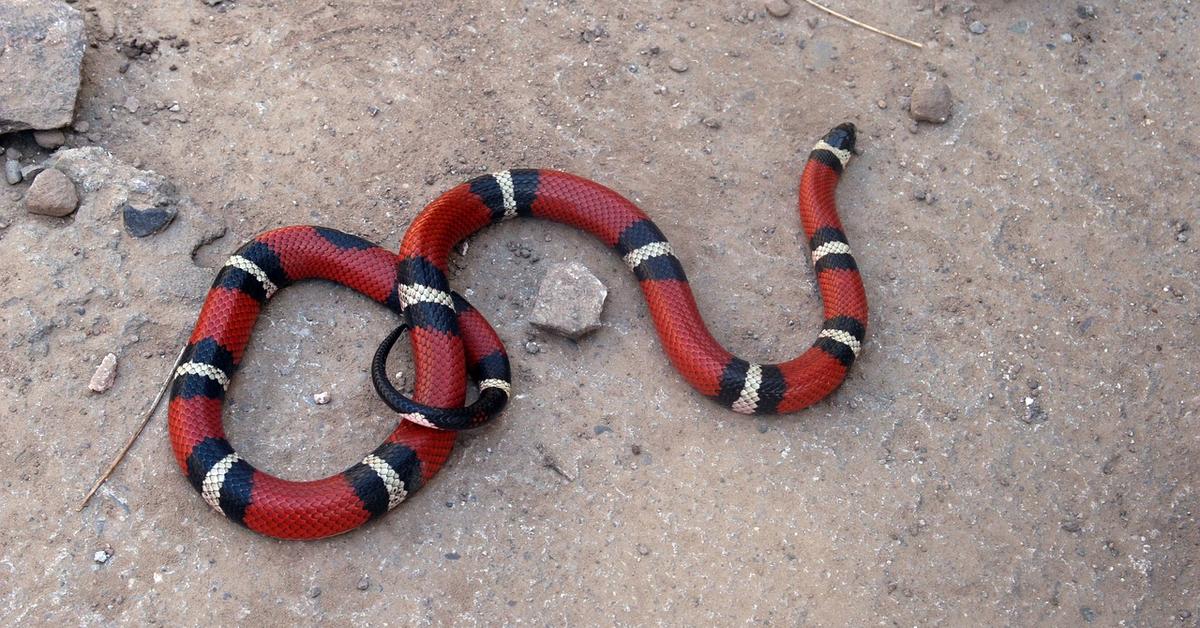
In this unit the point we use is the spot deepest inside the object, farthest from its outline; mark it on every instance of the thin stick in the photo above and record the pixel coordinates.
(129, 444)
(866, 26)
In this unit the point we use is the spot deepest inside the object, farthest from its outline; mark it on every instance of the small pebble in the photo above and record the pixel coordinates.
(635, 450)
(778, 8)
(105, 374)
(12, 171)
(1086, 11)
(82, 126)
(643, 550)
(101, 557)
(931, 102)
(314, 592)
(452, 556)
(882, 104)
(51, 194)
(977, 27)
(13, 153)
(364, 583)
(321, 398)
(532, 347)
(51, 139)
(677, 64)
(132, 105)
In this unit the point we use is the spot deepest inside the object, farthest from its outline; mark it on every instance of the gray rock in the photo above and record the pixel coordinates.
(1086, 11)
(31, 171)
(931, 102)
(12, 171)
(144, 221)
(569, 301)
(51, 139)
(677, 64)
(977, 27)
(52, 194)
(41, 43)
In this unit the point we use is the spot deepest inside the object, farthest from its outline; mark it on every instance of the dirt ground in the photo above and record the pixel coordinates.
(1017, 444)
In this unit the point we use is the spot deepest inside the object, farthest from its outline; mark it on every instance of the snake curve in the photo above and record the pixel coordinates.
(450, 338)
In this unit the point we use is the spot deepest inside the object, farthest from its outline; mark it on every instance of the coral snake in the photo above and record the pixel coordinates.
(451, 339)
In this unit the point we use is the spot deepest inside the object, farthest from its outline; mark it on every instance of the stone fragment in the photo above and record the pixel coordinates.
(144, 221)
(931, 102)
(41, 49)
(321, 398)
(105, 374)
(677, 64)
(569, 301)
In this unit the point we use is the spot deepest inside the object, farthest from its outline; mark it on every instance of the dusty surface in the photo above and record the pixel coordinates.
(1018, 443)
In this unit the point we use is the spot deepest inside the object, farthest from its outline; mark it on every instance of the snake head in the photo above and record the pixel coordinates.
(842, 137)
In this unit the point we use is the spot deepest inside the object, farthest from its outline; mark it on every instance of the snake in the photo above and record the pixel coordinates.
(452, 342)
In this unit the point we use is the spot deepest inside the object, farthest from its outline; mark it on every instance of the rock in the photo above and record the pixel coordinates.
(105, 374)
(101, 557)
(13, 153)
(50, 139)
(931, 102)
(532, 348)
(41, 44)
(131, 104)
(677, 64)
(32, 170)
(12, 171)
(364, 583)
(778, 8)
(977, 27)
(321, 398)
(569, 301)
(1086, 11)
(314, 592)
(52, 194)
(142, 222)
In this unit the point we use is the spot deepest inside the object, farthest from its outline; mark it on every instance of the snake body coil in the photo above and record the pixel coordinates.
(451, 339)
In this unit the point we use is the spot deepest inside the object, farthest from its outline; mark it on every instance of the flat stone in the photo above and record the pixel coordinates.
(105, 374)
(41, 45)
(569, 301)
(142, 222)
(52, 194)
(50, 139)
(931, 102)
(677, 64)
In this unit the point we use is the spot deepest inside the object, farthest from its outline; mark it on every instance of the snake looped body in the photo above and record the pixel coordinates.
(451, 339)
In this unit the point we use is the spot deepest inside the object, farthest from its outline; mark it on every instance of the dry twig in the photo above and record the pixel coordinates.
(866, 26)
(129, 444)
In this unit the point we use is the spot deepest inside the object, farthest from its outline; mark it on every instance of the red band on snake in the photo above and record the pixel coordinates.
(451, 339)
